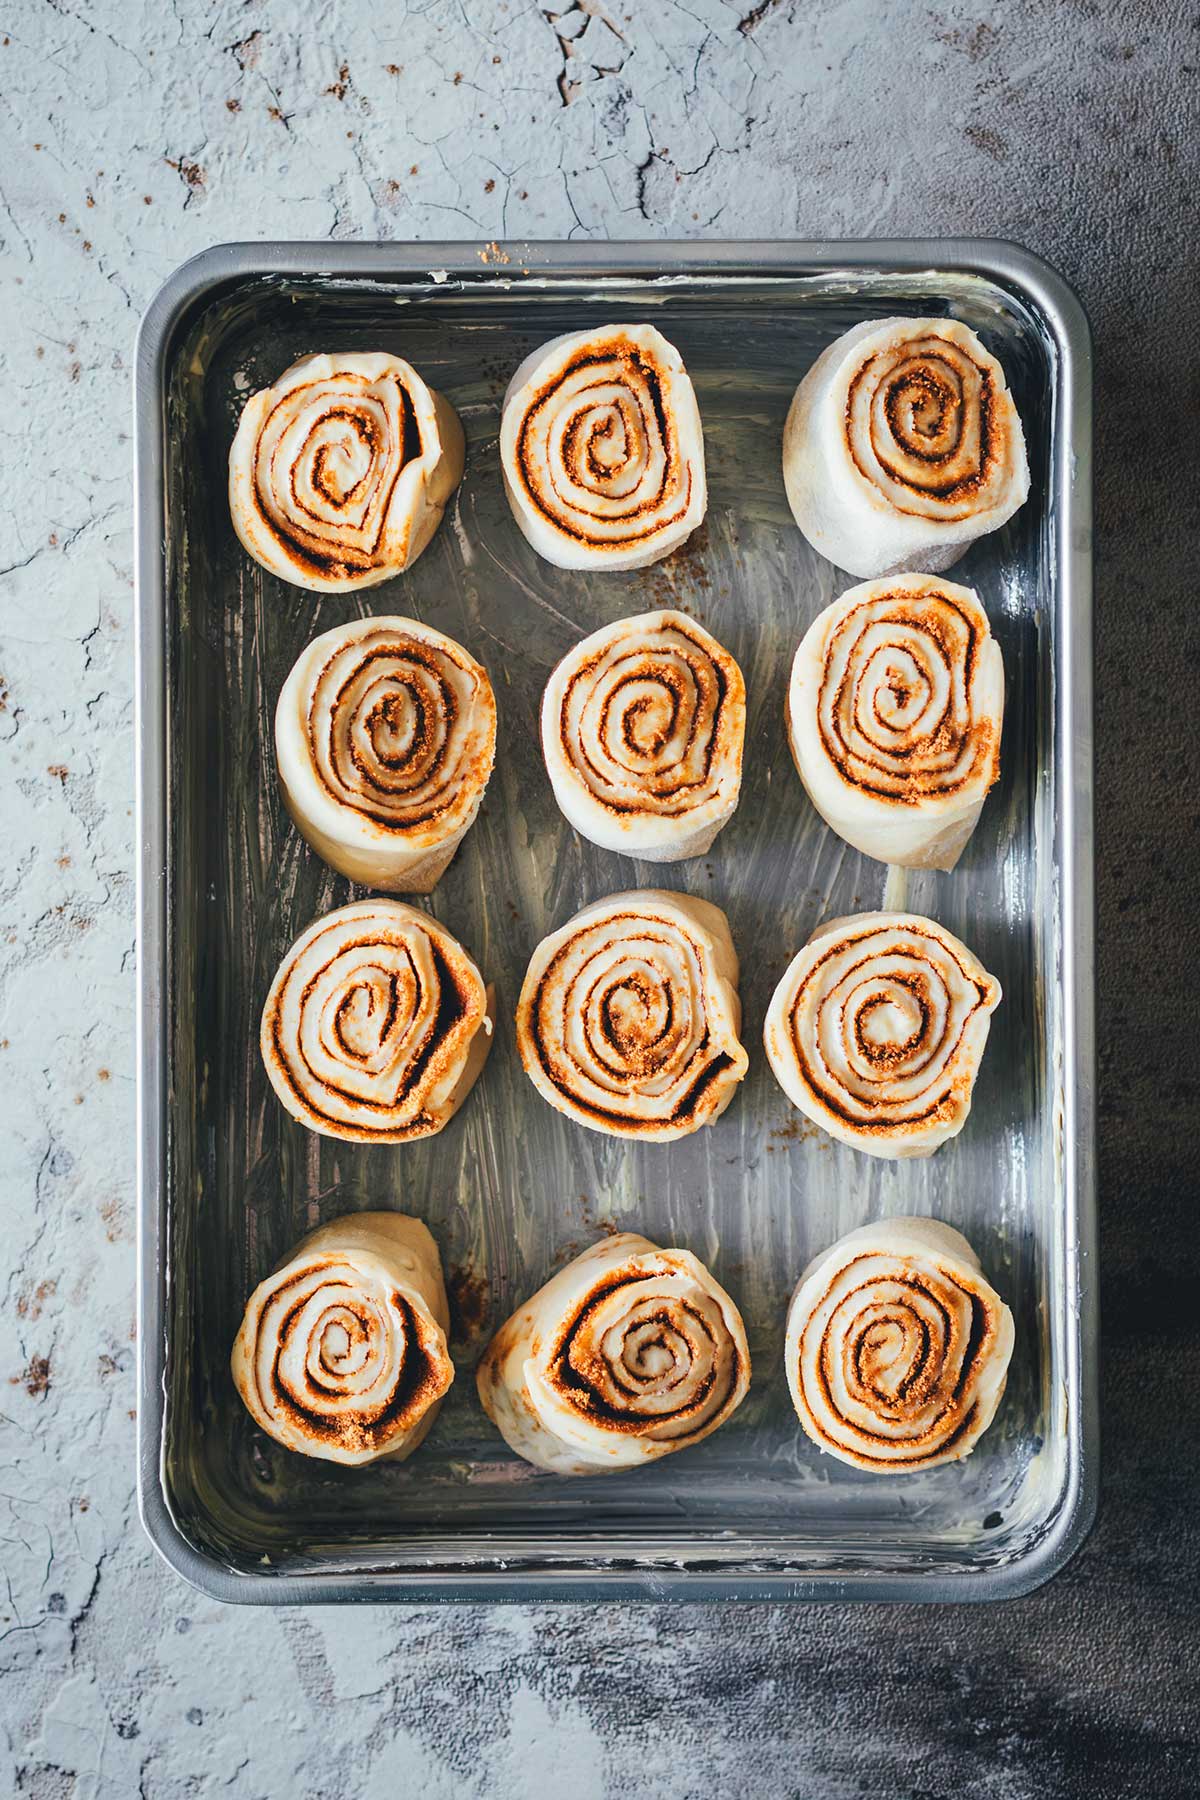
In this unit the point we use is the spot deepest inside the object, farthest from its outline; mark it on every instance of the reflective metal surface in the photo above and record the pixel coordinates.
(511, 1189)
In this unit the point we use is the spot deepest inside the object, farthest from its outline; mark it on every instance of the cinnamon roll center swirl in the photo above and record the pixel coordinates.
(627, 1022)
(921, 423)
(598, 451)
(629, 1017)
(369, 1013)
(896, 1349)
(642, 728)
(893, 1341)
(891, 1026)
(635, 1018)
(367, 1023)
(401, 731)
(347, 1360)
(878, 1026)
(895, 707)
(327, 459)
(650, 1355)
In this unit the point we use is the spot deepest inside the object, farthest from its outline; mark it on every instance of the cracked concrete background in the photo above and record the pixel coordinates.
(136, 134)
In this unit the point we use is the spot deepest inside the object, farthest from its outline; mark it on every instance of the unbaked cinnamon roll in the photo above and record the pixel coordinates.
(642, 729)
(601, 449)
(894, 714)
(897, 1348)
(629, 1015)
(877, 1030)
(340, 471)
(627, 1354)
(385, 735)
(902, 446)
(377, 1025)
(342, 1351)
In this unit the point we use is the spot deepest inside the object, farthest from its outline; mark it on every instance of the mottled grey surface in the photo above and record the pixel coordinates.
(134, 135)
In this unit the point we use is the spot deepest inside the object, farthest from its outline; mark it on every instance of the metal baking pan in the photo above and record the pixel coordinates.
(228, 1182)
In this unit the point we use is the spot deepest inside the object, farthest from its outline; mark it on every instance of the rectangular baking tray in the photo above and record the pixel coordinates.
(228, 1183)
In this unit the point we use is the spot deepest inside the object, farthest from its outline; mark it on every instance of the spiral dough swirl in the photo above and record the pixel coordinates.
(385, 735)
(628, 1353)
(628, 1016)
(642, 728)
(602, 451)
(339, 472)
(895, 709)
(921, 425)
(877, 1029)
(902, 446)
(897, 1347)
(377, 1024)
(342, 1352)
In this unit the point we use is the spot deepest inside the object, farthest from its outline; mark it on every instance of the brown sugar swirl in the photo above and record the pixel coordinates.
(897, 1347)
(877, 1029)
(894, 715)
(903, 445)
(385, 736)
(627, 1354)
(342, 1351)
(377, 1024)
(628, 1017)
(921, 422)
(643, 725)
(340, 471)
(601, 449)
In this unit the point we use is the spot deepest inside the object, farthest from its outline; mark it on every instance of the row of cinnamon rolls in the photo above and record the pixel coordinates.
(901, 447)
(896, 1352)
(628, 1022)
(385, 734)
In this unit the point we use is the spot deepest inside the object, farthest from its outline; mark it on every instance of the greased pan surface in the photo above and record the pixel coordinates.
(228, 1183)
